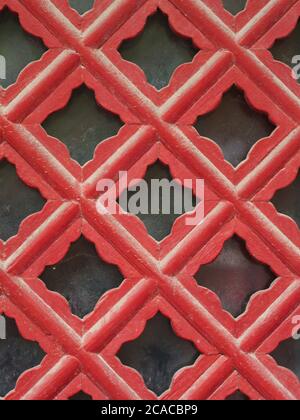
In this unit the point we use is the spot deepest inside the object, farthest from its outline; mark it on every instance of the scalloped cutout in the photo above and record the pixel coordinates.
(235, 276)
(17, 355)
(287, 200)
(234, 6)
(287, 355)
(235, 126)
(158, 50)
(82, 277)
(17, 46)
(17, 200)
(81, 396)
(82, 124)
(285, 49)
(160, 225)
(82, 6)
(238, 396)
(158, 354)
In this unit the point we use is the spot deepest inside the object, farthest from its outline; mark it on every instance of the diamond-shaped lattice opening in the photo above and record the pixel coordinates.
(234, 126)
(17, 46)
(235, 276)
(81, 396)
(234, 6)
(17, 355)
(82, 6)
(82, 124)
(17, 201)
(238, 396)
(287, 355)
(158, 354)
(158, 50)
(82, 277)
(160, 225)
(287, 200)
(285, 49)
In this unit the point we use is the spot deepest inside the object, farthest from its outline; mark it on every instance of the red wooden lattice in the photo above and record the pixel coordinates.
(81, 354)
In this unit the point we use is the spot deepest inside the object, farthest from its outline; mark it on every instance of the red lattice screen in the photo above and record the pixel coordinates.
(81, 354)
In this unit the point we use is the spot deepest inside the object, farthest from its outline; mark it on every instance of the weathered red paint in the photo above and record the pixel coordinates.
(81, 353)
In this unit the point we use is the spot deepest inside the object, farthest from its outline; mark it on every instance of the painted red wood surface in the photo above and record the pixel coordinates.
(81, 354)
